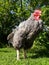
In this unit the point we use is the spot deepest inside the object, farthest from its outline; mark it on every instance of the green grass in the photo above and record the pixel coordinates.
(8, 57)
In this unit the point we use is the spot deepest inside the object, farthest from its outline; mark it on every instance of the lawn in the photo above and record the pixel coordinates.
(8, 57)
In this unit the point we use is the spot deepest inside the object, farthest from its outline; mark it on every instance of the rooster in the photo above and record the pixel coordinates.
(24, 35)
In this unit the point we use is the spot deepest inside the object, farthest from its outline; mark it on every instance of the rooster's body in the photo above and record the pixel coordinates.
(27, 31)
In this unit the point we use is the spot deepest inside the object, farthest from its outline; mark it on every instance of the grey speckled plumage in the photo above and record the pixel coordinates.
(26, 33)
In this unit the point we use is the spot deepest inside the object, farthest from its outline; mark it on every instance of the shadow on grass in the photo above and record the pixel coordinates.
(38, 53)
(5, 51)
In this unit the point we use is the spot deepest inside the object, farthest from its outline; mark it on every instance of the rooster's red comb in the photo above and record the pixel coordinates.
(38, 12)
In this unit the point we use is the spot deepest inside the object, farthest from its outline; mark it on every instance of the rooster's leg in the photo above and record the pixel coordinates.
(25, 54)
(18, 57)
